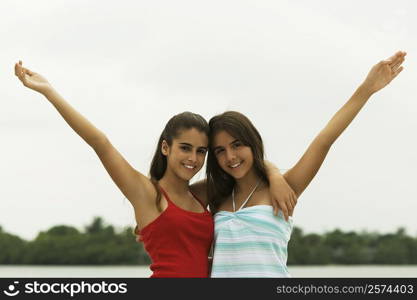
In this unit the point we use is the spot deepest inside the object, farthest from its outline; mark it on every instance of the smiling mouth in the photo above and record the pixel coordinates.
(236, 165)
(189, 167)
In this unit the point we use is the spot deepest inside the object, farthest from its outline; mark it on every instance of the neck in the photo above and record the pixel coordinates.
(173, 184)
(247, 183)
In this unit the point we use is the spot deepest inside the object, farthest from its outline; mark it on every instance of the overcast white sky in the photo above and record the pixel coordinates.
(128, 66)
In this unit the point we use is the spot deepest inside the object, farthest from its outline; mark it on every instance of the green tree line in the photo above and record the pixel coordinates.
(98, 244)
(351, 248)
(101, 244)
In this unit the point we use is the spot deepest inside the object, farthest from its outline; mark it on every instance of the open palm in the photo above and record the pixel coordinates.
(31, 79)
(384, 72)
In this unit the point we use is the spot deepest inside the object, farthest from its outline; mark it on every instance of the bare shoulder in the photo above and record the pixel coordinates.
(144, 202)
(225, 204)
(199, 189)
(144, 196)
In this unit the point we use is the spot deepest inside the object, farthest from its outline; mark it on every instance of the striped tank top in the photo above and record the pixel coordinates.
(251, 242)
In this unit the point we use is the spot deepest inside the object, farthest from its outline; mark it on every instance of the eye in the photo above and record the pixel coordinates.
(185, 148)
(237, 144)
(202, 151)
(218, 151)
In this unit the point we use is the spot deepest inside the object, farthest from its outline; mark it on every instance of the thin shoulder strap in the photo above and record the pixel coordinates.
(199, 201)
(165, 194)
(247, 199)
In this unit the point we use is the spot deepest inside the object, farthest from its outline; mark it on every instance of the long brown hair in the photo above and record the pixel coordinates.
(219, 183)
(173, 128)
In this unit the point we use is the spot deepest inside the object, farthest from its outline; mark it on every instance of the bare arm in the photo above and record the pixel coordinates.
(133, 184)
(282, 195)
(300, 176)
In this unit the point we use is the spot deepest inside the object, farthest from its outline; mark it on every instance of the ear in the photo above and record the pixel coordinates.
(164, 148)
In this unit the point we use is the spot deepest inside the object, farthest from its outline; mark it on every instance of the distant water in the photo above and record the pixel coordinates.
(143, 271)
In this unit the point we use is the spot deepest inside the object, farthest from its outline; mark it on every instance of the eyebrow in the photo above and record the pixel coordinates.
(187, 144)
(215, 148)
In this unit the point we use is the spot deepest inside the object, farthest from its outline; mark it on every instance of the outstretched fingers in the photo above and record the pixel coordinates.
(22, 76)
(395, 66)
(393, 58)
(17, 69)
(284, 210)
(29, 72)
(275, 207)
(398, 71)
(26, 71)
(20, 72)
(294, 203)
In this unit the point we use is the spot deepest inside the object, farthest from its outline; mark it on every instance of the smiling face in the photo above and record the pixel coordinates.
(232, 155)
(186, 155)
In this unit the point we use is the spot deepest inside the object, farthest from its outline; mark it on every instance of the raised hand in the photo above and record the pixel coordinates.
(384, 72)
(31, 79)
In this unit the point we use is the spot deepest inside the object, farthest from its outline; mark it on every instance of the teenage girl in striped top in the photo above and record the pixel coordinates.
(250, 239)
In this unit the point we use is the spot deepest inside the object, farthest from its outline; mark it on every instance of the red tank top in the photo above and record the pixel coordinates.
(178, 242)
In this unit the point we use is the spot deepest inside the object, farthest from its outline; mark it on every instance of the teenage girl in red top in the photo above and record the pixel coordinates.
(174, 224)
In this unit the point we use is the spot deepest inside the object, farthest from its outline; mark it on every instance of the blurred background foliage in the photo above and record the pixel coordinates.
(98, 244)
(101, 244)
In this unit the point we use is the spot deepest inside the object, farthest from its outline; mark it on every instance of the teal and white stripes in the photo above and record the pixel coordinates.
(251, 242)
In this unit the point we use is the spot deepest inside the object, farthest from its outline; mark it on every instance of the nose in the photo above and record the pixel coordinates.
(193, 157)
(230, 155)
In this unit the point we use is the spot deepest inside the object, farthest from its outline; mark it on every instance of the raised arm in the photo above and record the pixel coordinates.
(133, 184)
(300, 176)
